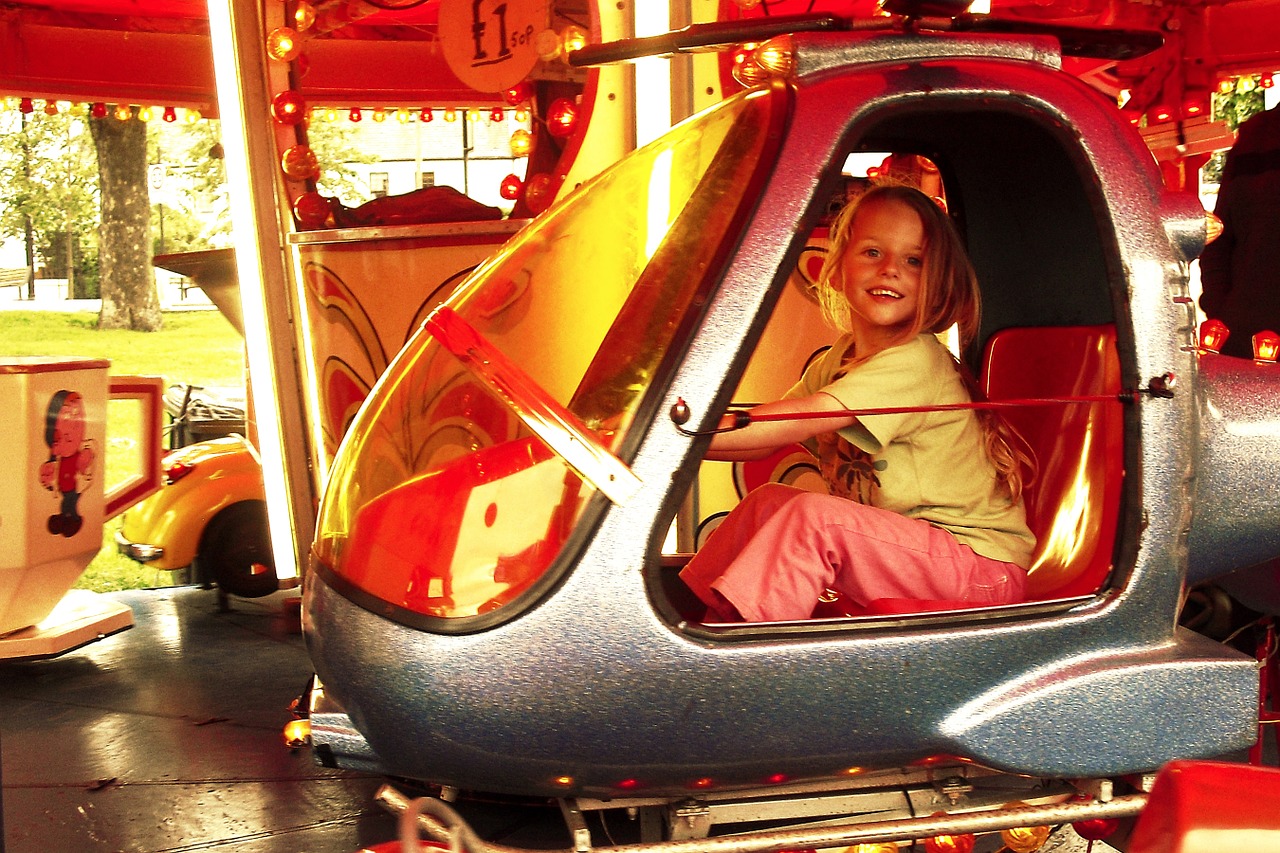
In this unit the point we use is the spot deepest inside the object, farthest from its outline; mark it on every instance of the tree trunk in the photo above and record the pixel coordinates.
(127, 283)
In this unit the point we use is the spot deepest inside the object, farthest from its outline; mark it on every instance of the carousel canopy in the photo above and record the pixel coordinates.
(361, 53)
(159, 52)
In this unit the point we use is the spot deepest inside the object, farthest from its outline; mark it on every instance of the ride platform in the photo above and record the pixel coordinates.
(167, 737)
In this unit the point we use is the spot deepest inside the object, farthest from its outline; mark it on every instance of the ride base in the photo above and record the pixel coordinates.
(79, 618)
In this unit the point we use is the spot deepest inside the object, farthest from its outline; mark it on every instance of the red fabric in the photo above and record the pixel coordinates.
(1210, 807)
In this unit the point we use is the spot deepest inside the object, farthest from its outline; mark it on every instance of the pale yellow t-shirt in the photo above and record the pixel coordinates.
(928, 465)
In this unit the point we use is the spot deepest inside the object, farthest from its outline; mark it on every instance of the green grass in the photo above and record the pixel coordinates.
(192, 348)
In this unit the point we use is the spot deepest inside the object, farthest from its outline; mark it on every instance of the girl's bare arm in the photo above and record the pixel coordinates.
(760, 438)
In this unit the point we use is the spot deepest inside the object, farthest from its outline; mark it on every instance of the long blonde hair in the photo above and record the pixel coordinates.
(948, 296)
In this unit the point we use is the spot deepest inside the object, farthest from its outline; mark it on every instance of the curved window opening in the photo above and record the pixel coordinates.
(1046, 262)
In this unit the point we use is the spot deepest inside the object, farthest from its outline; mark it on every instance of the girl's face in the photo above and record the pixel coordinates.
(882, 267)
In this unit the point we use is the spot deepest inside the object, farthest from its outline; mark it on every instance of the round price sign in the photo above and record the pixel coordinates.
(489, 43)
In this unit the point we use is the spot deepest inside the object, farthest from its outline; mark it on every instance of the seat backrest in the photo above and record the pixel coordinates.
(1073, 505)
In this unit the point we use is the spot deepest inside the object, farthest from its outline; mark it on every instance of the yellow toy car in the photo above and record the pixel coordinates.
(211, 515)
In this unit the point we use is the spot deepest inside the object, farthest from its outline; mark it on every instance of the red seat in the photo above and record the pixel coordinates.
(1074, 503)
(1073, 506)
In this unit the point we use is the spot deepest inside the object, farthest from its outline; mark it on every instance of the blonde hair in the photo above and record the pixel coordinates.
(948, 296)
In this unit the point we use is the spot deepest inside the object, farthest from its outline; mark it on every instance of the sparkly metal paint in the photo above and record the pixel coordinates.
(598, 678)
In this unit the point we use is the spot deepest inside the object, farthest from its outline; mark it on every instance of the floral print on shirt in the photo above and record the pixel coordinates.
(848, 471)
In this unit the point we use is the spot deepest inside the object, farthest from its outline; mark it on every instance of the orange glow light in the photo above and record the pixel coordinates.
(1266, 346)
(297, 733)
(1212, 227)
(745, 69)
(521, 143)
(573, 38)
(283, 44)
(962, 843)
(1161, 113)
(1025, 839)
(304, 15)
(1213, 334)
(776, 56)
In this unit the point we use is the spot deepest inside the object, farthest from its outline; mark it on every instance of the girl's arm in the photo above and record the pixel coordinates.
(759, 439)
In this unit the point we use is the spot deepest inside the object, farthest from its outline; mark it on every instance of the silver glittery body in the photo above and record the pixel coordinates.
(600, 682)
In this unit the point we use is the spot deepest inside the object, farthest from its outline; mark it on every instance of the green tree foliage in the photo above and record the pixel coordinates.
(335, 145)
(1234, 107)
(190, 208)
(48, 170)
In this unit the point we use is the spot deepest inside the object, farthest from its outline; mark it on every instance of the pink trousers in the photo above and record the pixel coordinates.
(782, 547)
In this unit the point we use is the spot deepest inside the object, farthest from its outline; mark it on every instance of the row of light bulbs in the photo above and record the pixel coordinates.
(285, 44)
(1214, 333)
(404, 115)
(1194, 107)
(123, 112)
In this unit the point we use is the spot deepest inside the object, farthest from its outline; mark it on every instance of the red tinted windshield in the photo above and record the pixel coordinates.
(475, 458)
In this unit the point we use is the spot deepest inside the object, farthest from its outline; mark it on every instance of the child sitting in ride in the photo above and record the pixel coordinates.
(925, 504)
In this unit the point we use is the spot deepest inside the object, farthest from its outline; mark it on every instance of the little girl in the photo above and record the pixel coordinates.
(923, 505)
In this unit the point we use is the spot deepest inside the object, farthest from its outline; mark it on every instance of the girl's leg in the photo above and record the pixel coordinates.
(808, 542)
(728, 541)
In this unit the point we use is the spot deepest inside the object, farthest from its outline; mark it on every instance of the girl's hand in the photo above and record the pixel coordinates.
(758, 440)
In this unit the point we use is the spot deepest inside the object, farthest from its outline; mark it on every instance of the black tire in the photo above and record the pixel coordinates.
(235, 551)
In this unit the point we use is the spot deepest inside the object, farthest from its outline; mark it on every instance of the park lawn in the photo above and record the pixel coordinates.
(192, 348)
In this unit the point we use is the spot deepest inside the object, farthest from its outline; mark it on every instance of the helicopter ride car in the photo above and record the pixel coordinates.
(493, 604)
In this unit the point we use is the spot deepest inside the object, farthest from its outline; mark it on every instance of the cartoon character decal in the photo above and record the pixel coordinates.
(71, 458)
